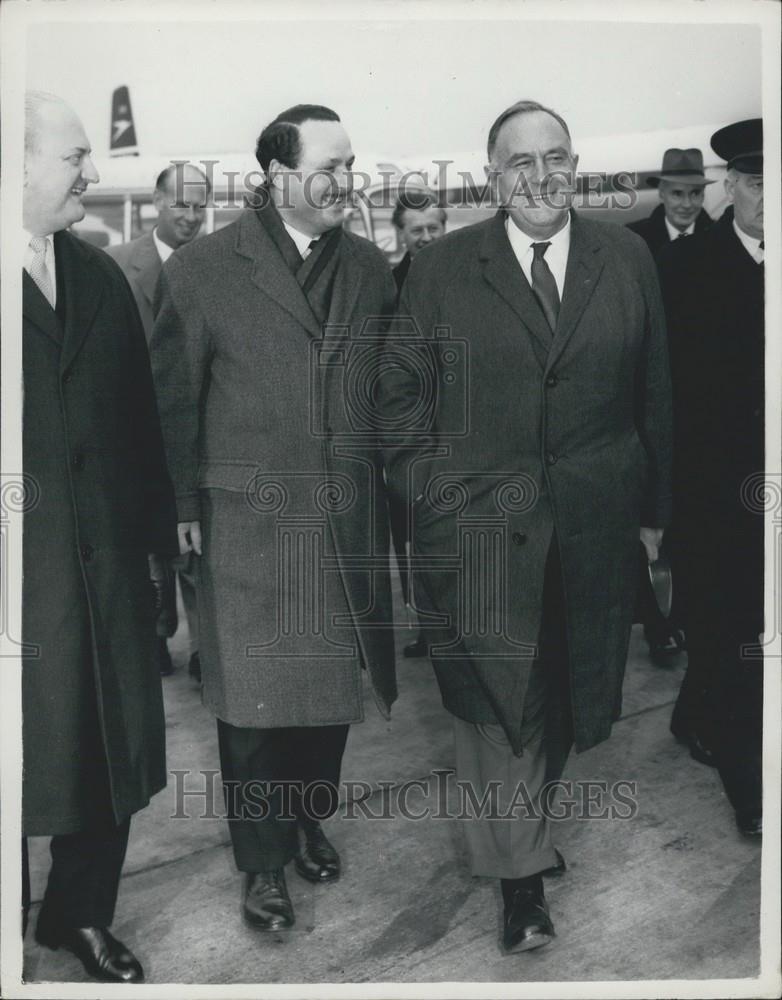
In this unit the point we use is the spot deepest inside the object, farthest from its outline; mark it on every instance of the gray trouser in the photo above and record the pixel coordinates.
(520, 845)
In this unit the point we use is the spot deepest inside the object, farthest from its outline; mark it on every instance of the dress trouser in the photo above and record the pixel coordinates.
(274, 779)
(520, 845)
(84, 877)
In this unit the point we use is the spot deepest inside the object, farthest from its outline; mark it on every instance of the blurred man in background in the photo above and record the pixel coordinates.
(180, 197)
(419, 221)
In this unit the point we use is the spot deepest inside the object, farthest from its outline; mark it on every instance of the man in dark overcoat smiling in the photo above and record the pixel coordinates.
(93, 725)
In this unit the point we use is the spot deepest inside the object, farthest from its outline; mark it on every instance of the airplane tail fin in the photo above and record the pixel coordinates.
(122, 141)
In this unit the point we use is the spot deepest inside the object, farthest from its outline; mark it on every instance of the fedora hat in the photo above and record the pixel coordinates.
(741, 144)
(682, 165)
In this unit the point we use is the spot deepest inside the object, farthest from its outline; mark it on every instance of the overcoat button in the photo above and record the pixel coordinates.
(519, 538)
(87, 552)
(551, 381)
(551, 458)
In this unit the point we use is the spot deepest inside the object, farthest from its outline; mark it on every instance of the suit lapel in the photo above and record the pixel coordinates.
(584, 265)
(271, 273)
(503, 272)
(37, 310)
(84, 291)
(147, 264)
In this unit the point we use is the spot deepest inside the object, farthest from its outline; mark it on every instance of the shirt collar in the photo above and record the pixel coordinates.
(163, 249)
(302, 240)
(522, 242)
(674, 233)
(750, 244)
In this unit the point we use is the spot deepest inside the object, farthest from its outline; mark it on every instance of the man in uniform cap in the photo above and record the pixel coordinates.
(713, 289)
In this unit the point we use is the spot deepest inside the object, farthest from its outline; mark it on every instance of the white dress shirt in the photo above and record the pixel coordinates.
(555, 256)
(674, 233)
(164, 251)
(301, 240)
(750, 244)
(48, 261)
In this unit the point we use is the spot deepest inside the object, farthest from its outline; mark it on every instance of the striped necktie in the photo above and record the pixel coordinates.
(38, 270)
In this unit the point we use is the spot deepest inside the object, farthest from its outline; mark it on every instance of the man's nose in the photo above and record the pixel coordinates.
(88, 172)
(537, 172)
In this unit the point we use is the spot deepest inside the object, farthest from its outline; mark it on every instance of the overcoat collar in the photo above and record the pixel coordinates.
(584, 264)
(38, 311)
(271, 273)
(76, 270)
(274, 278)
(84, 291)
(502, 271)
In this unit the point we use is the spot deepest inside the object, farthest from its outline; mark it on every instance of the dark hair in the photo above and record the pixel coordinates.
(520, 108)
(161, 184)
(415, 199)
(280, 139)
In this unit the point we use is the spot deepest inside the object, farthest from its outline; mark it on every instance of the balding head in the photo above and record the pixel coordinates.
(57, 165)
(181, 195)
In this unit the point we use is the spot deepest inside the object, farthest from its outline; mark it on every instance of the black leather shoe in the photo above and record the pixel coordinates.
(556, 870)
(164, 658)
(415, 649)
(698, 750)
(527, 924)
(750, 822)
(316, 859)
(265, 902)
(101, 954)
(194, 667)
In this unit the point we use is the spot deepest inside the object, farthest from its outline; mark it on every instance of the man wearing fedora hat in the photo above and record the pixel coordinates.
(680, 183)
(713, 289)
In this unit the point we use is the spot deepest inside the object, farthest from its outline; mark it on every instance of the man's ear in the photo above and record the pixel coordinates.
(492, 175)
(273, 172)
(730, 186)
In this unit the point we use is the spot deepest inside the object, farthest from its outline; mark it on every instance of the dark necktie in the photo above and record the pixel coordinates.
(681, 236)
(543, 285)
